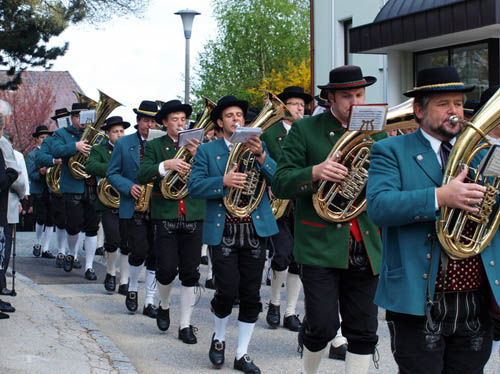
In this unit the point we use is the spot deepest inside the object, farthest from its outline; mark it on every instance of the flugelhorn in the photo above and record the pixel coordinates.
(174, 185)
(463, 234)
(343, 201)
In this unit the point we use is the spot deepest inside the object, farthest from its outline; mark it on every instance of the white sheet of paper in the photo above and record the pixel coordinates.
(155, 133)
(63, 122)
(491, 167)
(242, 134)
(368, 117)
(191, 135)
(87, 116)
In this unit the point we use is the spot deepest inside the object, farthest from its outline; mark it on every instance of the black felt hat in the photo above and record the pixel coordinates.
(173, 106)
(147, 108)
(436, 80)
(252, 113)
(295, 91)
(485, 96)
(78, 107)
(322, 98)
(347, 77)
(41, 130)
(60, 113)
(114, 121)
(226, 102)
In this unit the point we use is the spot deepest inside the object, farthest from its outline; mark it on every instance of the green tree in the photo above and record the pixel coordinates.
(26, 26)
(254, 38)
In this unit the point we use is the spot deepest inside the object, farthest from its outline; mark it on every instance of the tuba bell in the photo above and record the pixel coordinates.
(174, 185)
(255, 185)
(92, 133)
(107, 194)
(344, 201)
(53, 177)
(463, 234)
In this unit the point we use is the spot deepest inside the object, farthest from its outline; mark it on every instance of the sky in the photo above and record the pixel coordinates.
(133, 59)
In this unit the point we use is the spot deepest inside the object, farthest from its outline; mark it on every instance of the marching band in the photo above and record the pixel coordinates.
(280, 190)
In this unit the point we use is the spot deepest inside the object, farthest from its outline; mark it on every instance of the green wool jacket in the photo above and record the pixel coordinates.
(157, 151)
(317, 241)
(97, 165)
(274, 137)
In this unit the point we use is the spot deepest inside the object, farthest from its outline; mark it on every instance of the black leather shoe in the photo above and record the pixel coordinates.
(99, 251)
(150, 310)
(273, 316)
(163, 319)
(110, 283)
(37, 249)
(187, 335)
(338, 353)
(47, 254)
(204, 260)
(209, 283)
(6, 307)
(4, 316)
(68, 263)
(77, 264)
(131, 301)
(60, 260)
(292, 322)
(216, 352)
(123, 289)
(90, 275)
(246, 365)
(6, 292)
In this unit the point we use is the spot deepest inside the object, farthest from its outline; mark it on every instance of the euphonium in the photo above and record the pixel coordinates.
(108, 195)
(53, 177)
(343, 201)
(92, 135)
(463, 234)
(142, 204)
(255, 185)
(174, 185)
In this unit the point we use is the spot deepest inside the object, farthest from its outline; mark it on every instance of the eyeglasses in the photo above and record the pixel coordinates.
(295, 103)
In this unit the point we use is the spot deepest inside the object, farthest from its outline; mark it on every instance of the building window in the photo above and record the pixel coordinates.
(347, 42)
(471, 61)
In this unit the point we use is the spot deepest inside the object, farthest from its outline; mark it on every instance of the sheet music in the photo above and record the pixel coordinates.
(368, 117)
(490, 166)
(190, 134)
(87, 116)
(63, 122)
(242, 134)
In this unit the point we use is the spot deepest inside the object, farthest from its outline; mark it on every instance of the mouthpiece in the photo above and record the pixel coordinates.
(454, 120)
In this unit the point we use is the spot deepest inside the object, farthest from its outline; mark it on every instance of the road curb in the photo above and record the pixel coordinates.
(116, 357)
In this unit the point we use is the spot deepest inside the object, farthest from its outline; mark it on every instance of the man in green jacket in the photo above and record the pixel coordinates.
(339, 261)
(97, 165)
(284, 267)
(177, 224)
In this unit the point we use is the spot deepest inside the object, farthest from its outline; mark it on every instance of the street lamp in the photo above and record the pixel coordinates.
(187, 16)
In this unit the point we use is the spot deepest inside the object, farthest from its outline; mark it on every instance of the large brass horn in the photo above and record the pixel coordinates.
(81, 98)
(92, 134)
(463, 234)
(341, 202)
(108, 195)
(53, 178)
(142, 203)
(174, 185)
(255, 185)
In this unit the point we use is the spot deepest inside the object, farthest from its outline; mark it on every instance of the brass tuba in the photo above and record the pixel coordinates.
(463, 234)
(343, 201)
(92, 134)
(278, 207)
(53, 177)
(142, 204)
(108, 195)
(174, 185)
(255, 185)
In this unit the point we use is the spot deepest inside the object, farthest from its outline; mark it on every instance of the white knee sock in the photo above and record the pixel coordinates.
(135, 271)
(90, 247)
(73, 241)
(220, 328)
(164, 294)
(47, 237)
(204, 250)
(312, 360)
(277, 279)
(151, 287)
(81, 238)
(339, 339)
(39, 232)
(293, 287)
(495, 348)
(111, 262)
(245, 331)
(62, 244)
(100, 236)
(209, 272)
(357, 364)
(124, 268)
(188, 298)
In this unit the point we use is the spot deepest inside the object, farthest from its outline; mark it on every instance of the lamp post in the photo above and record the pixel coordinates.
(187, 16)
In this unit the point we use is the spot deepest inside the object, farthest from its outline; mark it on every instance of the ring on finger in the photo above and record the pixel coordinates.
(467, 201)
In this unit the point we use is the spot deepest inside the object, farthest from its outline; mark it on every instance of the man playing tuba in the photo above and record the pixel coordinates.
(437, 307)
(97, 165)
(339, 261)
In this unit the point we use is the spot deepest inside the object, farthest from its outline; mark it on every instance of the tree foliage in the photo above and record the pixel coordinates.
(26, 26)
(254, 38)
